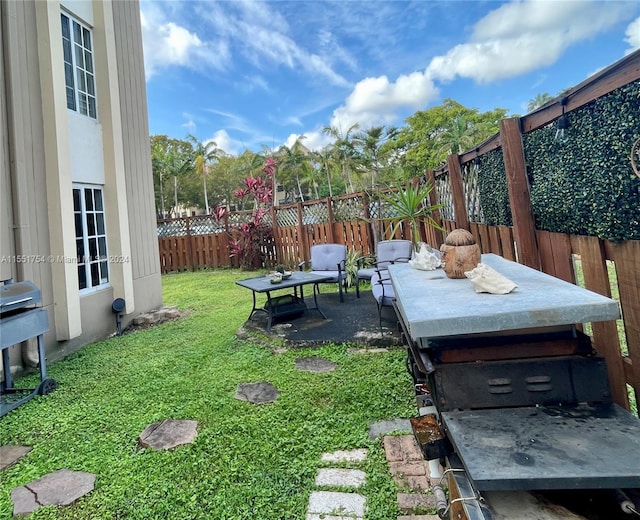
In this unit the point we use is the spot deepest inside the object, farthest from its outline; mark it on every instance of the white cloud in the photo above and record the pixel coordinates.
(633, 36)
(314, 141)
(168, 44)
(519, 37)
(263, 37)
(225, 142)
(375, 101)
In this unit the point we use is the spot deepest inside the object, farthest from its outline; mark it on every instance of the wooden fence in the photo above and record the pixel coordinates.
(354, 220)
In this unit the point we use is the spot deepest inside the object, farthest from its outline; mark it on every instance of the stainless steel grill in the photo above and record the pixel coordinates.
(20, 320)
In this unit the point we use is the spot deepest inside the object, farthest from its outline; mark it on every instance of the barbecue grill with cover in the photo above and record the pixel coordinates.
(20, 320)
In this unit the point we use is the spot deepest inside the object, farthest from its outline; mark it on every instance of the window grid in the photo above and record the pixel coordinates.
(78, 57)
(91, 238)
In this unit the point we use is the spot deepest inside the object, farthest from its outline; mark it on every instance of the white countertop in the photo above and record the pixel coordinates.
(433, 305)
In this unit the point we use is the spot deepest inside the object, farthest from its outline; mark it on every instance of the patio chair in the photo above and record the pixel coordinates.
(382, 291)
(330, 260)
(387, 252)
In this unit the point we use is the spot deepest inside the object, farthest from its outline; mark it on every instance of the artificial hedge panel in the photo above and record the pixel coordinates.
(493, 191)
(585, 185)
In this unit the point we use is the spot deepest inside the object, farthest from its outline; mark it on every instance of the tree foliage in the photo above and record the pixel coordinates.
(432, 134)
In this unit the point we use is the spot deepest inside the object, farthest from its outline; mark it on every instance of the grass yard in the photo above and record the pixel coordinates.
(248, 461)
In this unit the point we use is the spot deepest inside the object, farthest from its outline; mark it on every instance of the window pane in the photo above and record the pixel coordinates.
(90, 86)
(80, 251)
(66, 50)
(79, 57)
(97, 196)
(95, 275)
(104, 272)
(88, 200)
(86, 41)
(93, 249)
(92, 107)
(76, 200)
(78, 218)
(71, 98)
(68, 75)
(65, 26)
(82, 99)
(82, 85)
(88, 61)
(77, 32)
(82, 277)
(91, 224)
(99, 223)
(102, 247)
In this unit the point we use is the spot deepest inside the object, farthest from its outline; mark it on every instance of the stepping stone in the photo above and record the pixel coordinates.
(167, 434)
(257, 393)
(315, 364)
(341, 505)
(340, 477)
(357, 455)
(386, 427)
(60, 488)
(9, 455)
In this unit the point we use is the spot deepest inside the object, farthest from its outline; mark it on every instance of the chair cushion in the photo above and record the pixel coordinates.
(333, 274)
(382, 292)
(326, 257)
(365, 274)
(393, 250)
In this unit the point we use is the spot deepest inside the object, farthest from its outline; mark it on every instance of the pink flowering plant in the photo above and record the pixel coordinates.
(249, 237)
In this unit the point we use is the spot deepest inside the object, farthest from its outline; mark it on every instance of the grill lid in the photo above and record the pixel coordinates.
(18, 295)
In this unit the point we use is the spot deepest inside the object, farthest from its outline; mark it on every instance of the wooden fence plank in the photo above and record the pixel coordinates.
(506, 243)
(626, 256)
(605, 334)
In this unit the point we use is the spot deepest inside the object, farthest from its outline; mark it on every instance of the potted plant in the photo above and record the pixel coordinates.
(410, 206)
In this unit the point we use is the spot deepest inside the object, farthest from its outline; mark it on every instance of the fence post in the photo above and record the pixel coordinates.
(303, 241)
(457, 190)
(276, 235)
(331, 220)
(518, 186)
(433, 200)
(189, 245)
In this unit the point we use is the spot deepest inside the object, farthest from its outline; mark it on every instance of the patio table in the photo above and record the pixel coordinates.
(284, 305)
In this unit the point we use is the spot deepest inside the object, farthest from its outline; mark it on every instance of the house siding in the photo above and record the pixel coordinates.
(36, 213)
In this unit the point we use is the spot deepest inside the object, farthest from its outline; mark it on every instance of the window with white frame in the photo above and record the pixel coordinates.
(78, 67)
(91, 237)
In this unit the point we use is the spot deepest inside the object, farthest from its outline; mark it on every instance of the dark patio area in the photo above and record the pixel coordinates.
(353, 321)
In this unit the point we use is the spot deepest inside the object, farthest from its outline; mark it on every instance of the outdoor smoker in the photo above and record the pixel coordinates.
(512, 396)
(21, 320)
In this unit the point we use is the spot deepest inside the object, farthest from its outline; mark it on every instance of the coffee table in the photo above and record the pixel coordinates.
(288, 304)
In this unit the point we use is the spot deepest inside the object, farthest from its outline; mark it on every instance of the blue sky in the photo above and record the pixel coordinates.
(255, 75)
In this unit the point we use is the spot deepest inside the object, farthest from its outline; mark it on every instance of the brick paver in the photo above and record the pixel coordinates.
(402, 448)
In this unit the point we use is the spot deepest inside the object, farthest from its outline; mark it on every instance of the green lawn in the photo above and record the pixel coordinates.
(248, 461)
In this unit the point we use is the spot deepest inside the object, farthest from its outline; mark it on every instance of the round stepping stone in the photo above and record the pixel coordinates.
(167, 434)
(9, 455)
(257, 393)
(60, 488)
(315, 364)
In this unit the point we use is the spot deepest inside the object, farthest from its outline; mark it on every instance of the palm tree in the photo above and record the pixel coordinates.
(538, 101)
(457, 136)
(204, 155)
(410, 205)
(343, 150)
(372, 152)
